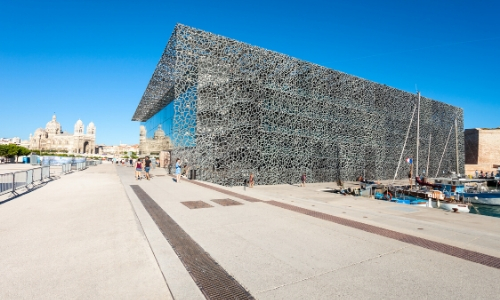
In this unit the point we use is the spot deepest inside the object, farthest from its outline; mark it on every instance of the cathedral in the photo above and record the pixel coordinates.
(53, 138)
(153, 146)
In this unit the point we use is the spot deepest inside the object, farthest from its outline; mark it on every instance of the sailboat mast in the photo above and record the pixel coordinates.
(428, 157)
(456, 144)
(418, 134)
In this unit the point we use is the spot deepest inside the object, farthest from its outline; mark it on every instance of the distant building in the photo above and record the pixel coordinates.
(14, 140)
(153, 146)
(482, 150)
(117, 150)
(54, 138)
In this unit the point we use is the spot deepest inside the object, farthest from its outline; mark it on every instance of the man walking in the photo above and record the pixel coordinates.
(147, 166)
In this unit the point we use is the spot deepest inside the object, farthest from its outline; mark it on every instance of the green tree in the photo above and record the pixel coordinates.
(4, 149)
(24, 151)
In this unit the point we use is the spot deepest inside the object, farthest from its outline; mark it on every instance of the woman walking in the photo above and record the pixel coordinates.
(138, 169)
(178, 170)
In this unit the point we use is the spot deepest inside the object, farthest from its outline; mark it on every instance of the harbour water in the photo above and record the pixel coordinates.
(485, 210)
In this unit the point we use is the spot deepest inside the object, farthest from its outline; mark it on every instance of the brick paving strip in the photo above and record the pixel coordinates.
(213, 281)
(480, 258)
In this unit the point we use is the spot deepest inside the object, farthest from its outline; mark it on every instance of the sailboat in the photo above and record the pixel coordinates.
(435, 198)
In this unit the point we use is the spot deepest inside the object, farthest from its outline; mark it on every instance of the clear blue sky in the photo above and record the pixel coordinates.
(93, 59)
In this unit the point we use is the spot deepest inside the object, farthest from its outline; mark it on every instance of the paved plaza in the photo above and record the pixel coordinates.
(88, 235)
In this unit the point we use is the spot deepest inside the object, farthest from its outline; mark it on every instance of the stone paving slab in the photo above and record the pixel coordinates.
(279, 254)
(76, 237)
(86, 235)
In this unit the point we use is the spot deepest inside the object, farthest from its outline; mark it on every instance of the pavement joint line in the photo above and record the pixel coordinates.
(211, 278)
(469, 255)
(334, 270)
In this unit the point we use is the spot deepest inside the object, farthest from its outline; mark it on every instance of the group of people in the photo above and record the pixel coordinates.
(484, 175)
(142, 165)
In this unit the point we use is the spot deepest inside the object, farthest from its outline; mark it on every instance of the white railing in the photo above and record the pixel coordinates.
(10, 182)
(65, 168)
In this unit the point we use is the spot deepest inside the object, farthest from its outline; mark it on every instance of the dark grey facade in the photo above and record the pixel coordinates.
(239, 109)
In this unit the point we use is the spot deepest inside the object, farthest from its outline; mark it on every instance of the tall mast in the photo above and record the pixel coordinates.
(418, 134)
(456, 143)
(428, 157)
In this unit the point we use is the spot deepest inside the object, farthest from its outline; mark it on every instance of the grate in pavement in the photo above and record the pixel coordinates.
(213, 281)
(480, 258)
(226, 202)
(196, 204)
(229, 193)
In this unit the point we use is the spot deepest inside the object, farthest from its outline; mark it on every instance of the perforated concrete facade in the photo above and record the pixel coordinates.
(241, 109)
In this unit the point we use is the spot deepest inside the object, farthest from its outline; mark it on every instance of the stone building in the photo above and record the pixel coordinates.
(154, 145)
(53, 138)
(482, 150)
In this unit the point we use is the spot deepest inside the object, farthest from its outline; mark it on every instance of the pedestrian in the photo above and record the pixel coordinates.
(481, 174)
(477, 173)
(251, 180)
(138, 169)
(147, 166)
(303, 180)
(178, 169)
(130, 161)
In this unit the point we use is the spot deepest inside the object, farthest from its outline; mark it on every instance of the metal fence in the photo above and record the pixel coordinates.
(10, 182)
(79, 166)
(65, 168)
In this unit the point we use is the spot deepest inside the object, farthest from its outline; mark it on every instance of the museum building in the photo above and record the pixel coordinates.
(231, 109)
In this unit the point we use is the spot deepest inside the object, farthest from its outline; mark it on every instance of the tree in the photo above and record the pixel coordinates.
(15, 150)
(24, 151)
(4, 149)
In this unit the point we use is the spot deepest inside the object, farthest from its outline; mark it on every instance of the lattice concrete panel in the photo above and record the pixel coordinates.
(241, 109)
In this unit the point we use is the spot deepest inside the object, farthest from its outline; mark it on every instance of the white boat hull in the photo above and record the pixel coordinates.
(453, 207)
(482, 198)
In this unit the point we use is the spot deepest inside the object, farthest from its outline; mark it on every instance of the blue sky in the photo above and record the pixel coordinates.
(93, 59)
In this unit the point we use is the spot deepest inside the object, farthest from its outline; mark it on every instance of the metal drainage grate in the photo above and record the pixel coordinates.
(196, 204)
(213, 281)
(480, 258)
(233, 194)
(226, 202)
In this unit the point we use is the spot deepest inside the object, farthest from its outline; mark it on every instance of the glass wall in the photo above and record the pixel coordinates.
(181, 112)
(165, 118)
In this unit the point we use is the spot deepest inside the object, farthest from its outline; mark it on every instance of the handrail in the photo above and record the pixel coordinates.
(10, 182)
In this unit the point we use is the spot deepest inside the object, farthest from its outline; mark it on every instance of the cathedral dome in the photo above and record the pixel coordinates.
(79, 123)
(40, 132)
(53, 127)
(159, 133)
(91, 125)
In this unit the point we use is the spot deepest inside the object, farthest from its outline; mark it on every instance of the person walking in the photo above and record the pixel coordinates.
(251, 180)
(147, 167)
(138, 169)
(303, 180)
(178, 169)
